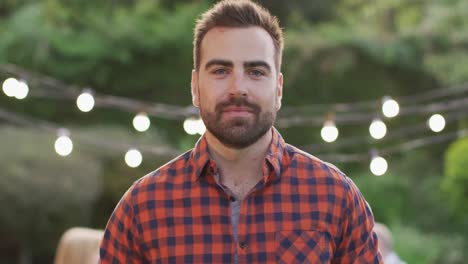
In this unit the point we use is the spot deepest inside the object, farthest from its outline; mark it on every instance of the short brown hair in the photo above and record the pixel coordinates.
(237, 13)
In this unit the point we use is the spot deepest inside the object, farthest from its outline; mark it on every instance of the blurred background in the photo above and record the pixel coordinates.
(96, 94)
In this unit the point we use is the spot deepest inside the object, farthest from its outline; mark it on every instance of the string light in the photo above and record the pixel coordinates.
(353, 113)
(141, 122)
(15, 88)
(378, 165)
(85, 101)
(394, 134)
(194, 126)
(63, 144)
(436, 123)
(9, 87)
(133, 158)
(22, 90)
(338, 107)
(459, 104)
(200, 126)
(378, 129)
(390, 107)
(329, 132)
(190, 126)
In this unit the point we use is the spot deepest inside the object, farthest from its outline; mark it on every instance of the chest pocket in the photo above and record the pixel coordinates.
(301, 246)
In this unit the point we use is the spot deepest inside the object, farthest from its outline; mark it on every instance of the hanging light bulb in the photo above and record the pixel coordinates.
(201, 129)
(329, 131)
(63, 144)
(141, 122)
(190, 126)
(377, 129)
(378, 165)
(133, 158)
(85, 101)
(22, 90)
(390, 107)
(194, 126)
(9, 87)
(436, 123)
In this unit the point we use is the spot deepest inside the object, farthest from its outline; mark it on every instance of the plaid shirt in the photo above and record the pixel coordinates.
(302, 211)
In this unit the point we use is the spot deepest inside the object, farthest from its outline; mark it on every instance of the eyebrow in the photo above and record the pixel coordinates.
(227, 63)
(220, 62)
(259, 63)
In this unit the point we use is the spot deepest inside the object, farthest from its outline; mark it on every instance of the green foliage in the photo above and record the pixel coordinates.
(129, 47)
(45, 194)
(416, 247)
(394, 187)
(455, 183)
(408, 199)
(433, 32)
(336, 51)
(125, 50)
(42, 193)
(116, 175)
(412, 182)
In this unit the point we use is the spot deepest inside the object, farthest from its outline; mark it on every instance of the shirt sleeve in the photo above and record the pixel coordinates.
(358, 243)
(120, 242)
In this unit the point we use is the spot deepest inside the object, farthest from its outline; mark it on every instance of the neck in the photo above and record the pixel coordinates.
(243, 161)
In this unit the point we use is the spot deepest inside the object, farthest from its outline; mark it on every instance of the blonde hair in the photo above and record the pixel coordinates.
(385, 239)
(79, 245)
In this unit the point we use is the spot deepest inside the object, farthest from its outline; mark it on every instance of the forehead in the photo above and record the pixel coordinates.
(237, 45)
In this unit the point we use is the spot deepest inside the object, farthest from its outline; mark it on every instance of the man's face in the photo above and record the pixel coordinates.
(237, 88)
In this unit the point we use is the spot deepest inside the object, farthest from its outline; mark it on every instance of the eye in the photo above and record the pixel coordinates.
(220, 71)
(256, 73)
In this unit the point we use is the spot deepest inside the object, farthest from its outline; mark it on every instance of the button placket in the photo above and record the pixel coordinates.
(242, 245)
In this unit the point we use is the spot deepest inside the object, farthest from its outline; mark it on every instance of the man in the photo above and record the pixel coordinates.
(242, 195)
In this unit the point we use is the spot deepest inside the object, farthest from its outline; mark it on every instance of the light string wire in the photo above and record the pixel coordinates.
(392, 134)
(111, 145)
(168, 152)
(354, 113)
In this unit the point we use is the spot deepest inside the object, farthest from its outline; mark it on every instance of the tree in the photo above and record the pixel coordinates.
(41, 193)
(336, 51)
(455, 182)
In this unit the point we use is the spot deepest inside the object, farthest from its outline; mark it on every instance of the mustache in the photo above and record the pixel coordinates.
(238, 101)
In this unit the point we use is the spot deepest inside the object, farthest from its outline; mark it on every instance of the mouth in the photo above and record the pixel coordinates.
(237, 109)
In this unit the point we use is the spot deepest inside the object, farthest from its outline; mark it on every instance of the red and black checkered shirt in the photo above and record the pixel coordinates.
(302, 211)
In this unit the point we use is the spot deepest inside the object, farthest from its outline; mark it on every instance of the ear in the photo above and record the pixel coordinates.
(194, 89)
(279, 91)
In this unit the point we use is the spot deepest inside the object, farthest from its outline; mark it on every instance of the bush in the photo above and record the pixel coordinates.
(455, 183)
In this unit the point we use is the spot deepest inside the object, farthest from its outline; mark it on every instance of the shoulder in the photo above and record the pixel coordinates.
(174, 171)
(310, 169)
(313, 166)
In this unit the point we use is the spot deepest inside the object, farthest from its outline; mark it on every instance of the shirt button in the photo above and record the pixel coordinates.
(232, 199)
(242, 245)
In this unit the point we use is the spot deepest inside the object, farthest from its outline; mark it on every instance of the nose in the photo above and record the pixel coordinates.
(238, 85)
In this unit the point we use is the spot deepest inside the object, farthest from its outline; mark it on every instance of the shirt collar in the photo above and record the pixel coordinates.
(275, 155)
(201, 159)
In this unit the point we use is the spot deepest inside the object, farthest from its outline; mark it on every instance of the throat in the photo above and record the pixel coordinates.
(240, 186)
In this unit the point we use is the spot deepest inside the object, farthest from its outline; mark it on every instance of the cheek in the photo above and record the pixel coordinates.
(267, 98)
(211, 90)
(207, 97)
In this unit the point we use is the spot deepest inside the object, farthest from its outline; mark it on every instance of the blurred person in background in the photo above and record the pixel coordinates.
(386, 245)
(79, 245)
(242, 194)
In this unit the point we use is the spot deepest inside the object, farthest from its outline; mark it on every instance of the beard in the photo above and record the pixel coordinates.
(238, 132)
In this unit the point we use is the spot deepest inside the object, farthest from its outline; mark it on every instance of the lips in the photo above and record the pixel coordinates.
(238, 109)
